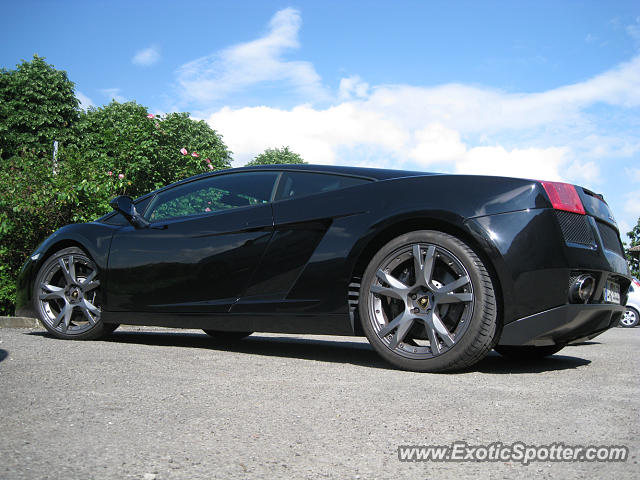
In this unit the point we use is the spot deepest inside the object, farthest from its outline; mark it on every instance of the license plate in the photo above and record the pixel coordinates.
(611, 292)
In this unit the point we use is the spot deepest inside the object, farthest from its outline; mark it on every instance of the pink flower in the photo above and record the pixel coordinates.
(195, 154)
(208, 160)
(121, 176)
(208, 203)
(151, 115)
(210, 167)
(110, 173)
(207, 209)
(183, 151)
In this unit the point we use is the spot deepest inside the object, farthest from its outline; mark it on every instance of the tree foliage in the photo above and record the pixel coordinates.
(37, 106)
(275, 156)
(634, 262)
(116, 149)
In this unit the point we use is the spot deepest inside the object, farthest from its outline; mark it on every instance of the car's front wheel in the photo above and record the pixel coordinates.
(630, 318)
(67, 296)
(427, 303)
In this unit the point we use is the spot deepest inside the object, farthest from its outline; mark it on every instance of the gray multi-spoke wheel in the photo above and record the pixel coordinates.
(630, 318)
(427, 303)
(67, 296)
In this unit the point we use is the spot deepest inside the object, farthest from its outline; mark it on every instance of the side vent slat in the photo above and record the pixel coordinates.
(353, 294)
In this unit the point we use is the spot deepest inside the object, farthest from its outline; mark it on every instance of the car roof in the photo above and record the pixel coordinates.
(372, 173)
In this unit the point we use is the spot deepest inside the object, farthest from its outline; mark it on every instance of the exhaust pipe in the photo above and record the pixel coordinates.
(582, 289)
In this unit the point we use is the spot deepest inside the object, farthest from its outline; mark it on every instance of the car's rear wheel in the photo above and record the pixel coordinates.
(227, 336)
(427, 303)
(630, 318)
(67, 296)
(527, 352)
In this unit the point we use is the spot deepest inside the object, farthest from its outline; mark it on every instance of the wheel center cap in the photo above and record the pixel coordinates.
(74, 295)
(423, 302)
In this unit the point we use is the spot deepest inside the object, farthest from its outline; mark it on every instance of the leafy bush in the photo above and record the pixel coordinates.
(150, 151)
(34, 203)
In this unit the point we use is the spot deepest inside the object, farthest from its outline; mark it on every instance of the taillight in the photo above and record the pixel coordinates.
(635, 280)
(564, 196)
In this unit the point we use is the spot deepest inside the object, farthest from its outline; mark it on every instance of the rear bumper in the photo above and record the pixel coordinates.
(561, 325)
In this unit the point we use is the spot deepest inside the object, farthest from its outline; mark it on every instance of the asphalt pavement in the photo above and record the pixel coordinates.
(168, 404)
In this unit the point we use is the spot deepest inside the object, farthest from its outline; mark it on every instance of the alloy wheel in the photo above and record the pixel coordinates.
(421, 301)
(629, 318)
(68, 294)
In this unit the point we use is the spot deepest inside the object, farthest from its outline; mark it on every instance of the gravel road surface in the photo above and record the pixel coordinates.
(169, 404)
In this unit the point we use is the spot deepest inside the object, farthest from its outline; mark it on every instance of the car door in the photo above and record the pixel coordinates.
(306, 243)
(205, 240)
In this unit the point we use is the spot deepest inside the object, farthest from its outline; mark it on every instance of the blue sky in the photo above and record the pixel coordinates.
(539, 89)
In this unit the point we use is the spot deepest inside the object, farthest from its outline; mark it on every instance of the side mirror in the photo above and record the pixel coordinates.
(125, 206)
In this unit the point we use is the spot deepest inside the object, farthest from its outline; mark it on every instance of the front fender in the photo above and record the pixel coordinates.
(94, 238)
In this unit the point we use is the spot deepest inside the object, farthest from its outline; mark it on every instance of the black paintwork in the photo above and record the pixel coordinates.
(285, 266)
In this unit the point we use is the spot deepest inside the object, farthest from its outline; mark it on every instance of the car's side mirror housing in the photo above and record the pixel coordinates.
(124, 205)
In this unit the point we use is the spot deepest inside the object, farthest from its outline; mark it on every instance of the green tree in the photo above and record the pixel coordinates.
(275, 156)
(37, 106)
(634, 261)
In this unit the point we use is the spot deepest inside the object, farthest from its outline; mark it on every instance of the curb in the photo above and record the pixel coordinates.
(19, 322)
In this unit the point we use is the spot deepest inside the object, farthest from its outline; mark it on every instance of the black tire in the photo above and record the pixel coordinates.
(630, 318)
(445, 318)
(527, 352)
(227, 336)
(66, 296)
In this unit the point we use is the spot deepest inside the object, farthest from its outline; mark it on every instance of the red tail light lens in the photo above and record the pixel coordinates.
(564, 196)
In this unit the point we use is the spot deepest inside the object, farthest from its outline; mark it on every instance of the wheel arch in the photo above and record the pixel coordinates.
(61, 244)
(403, 226)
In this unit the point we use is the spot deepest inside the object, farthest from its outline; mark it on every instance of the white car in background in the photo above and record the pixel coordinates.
(632, 314)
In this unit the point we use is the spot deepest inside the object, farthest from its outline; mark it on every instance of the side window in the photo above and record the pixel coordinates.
(213, 194)
(299, 184)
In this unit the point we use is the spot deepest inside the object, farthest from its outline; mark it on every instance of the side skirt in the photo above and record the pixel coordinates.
(338, 324)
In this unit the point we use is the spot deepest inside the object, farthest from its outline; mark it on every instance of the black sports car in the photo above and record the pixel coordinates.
(435, 270)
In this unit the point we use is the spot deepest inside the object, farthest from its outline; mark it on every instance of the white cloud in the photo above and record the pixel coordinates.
(147, 56)
(634, 30)
(85, 102)
(633, 174)
(260, 61)
(475, 109)
(352, 87)
(537, 163)
(632, 203)
(316, 134)
(437, 144)
(446, 127)
(113, 94)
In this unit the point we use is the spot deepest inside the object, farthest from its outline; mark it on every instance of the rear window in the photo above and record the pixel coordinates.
(300, 184)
